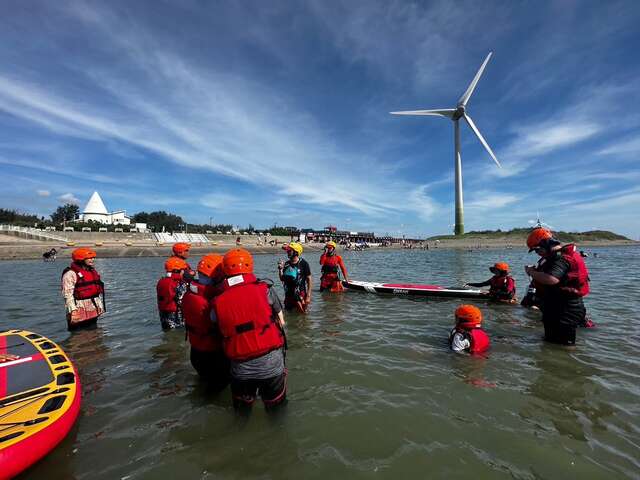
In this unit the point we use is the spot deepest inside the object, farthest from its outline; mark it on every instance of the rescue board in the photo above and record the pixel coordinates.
(415, 289)
(39, 399)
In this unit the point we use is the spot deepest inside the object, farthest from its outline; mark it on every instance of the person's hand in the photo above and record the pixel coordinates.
(75, 315)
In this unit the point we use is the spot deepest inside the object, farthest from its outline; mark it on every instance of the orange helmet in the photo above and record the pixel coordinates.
(468, 316)
(82, 253)
(237, 261)
(181, 248)
(536, 236)
(500, 266)
(175, 264)
(211, 265)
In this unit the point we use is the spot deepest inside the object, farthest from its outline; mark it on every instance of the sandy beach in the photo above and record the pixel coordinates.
(16, 248)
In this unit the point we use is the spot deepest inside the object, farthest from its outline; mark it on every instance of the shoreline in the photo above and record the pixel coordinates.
(30, 250)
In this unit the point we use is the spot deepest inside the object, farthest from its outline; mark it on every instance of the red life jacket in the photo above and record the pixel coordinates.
(576, 281)
(88, 284)
(166, 291)
(245, 319)
(502, 287)
(479, 341)
(196, 311)
(329, 263)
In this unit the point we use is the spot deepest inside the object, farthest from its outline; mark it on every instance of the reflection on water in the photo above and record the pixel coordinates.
(374, 389)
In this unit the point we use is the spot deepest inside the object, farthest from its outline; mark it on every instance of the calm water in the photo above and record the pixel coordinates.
(374, 391)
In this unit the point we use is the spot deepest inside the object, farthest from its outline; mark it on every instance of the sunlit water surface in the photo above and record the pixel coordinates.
(373, 390)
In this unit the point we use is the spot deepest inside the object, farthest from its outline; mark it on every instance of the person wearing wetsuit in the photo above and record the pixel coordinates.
(560, 281)
(295, 275)
(503, 286)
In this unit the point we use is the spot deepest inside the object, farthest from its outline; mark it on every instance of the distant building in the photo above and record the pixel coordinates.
(96, 211)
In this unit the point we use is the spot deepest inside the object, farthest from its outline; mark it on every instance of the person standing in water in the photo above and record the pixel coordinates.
(82, 289)
(207, 356)
(170, 289)
(502, 285)
(181, 250)
(295, 275)
(249, 315)
(561, 281)
(332, 264)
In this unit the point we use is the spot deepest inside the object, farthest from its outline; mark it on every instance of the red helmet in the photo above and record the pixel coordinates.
(82, 253)
(211, 265)
(175, 264)
(500, 267)
(237, 261)
(468, 316)
(536, 236)
(181, 249)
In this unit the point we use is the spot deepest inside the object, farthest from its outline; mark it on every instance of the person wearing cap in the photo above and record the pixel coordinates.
(467, 335)
(502, 285)
(332, 264)
(207, 356)
(248, 314)
(82, 289)
(561, 281)
(295, 275)
(170, 289)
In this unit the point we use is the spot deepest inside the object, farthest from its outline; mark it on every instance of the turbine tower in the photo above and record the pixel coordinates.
(456, 114)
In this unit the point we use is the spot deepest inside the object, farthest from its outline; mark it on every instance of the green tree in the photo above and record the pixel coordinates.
(160, 219)
(67, 212)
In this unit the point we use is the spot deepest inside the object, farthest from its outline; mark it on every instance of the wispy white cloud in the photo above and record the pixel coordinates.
(43, 193)
(69, 198)
(486, 200)
(626, 147)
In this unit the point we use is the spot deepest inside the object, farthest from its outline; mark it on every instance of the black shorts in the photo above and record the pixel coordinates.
(273, 391)
(211, 366)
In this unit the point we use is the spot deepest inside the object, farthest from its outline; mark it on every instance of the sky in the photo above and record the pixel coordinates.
(263, 113)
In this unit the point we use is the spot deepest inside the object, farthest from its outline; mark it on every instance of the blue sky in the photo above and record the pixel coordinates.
(277, 112)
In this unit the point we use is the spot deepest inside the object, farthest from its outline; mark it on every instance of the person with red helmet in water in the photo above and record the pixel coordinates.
(467, 335)
(181, 250)
(170, 289)
(561, 281)
(207, 356)
(82, 289)
(332, 264)
(502, 285)
(248, 314)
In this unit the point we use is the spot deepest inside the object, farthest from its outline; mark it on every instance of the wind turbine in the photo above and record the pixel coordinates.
(456, 114)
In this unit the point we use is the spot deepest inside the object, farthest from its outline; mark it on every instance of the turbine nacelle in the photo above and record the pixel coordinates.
(458, 113)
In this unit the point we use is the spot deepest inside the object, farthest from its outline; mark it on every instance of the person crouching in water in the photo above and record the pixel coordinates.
(561, 282)
(330, 278)
(248, 314)
(207, 356)
(467, 335)
(170, 289)
(502, 285)
(295, 275)
(82, 289)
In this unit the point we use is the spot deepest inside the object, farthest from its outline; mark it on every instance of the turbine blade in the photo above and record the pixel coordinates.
(481, 138)
(466, 95)
(446, 112)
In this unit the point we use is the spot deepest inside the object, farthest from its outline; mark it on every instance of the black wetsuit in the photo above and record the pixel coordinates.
(561, 313)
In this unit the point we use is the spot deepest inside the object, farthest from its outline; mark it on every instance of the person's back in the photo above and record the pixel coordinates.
(170, 289)
(467, 335)
(249, 316)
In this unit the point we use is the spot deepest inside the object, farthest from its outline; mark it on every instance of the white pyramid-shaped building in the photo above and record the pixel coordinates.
(96, 211)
